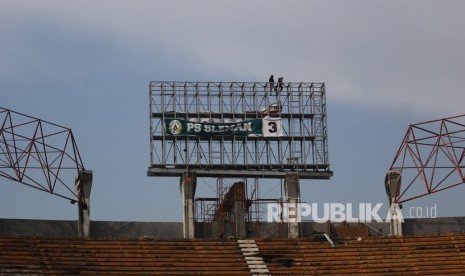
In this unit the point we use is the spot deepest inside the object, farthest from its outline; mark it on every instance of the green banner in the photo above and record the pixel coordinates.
(180, 127)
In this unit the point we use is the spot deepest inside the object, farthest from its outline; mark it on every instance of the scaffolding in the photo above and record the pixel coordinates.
(210, 209)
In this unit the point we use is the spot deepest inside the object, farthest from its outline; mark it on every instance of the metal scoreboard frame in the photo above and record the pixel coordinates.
(238, 129)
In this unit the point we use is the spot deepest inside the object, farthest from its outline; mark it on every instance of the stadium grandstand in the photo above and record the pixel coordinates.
(250, 132)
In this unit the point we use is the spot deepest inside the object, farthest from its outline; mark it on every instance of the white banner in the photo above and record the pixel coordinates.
(271, 127)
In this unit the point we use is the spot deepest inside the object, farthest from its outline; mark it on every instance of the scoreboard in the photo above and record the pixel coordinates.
(238, 129)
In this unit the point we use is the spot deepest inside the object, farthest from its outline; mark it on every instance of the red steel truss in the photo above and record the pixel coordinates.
(38, 154)
(431, 157)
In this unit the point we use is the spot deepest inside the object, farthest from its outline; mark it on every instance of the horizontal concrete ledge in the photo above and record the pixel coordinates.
(240, 173)
(252, 253)
(247, 245)
(256, 267)
(249, 249)
(248, 258)
(255, 263)
(246, 241)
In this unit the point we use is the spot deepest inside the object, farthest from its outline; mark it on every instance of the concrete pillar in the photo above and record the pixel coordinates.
(83, 185)
(239, 215)
(188, 185)
(396, 219)
(292, 191)
(392, 184)
(239, 208)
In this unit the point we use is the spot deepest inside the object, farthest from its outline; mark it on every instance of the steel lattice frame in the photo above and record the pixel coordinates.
(38, 154)
(302, 148)
(431, 157)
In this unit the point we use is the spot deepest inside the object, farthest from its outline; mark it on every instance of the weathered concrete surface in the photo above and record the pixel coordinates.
(38, 228)
(174, 230)
(279, 230)
(121, 229)
(187, 185)
(98, 229)
(433, 226)
(292, 191)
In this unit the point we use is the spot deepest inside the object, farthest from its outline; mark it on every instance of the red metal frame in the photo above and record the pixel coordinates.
(38, 154)
(431, 157)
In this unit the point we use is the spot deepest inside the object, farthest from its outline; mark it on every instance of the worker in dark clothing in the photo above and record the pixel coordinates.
(271, 81)
(280, 84)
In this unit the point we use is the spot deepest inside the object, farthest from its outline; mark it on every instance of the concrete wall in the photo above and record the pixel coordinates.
(173, 230)
(38, 228)
(98, 229)
(154, 230)
(433, 226)
(278, 230)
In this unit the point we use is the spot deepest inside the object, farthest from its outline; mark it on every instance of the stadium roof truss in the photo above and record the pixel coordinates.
(38, 154)
(431, 157)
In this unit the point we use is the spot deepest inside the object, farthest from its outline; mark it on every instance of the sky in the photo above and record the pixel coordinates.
(87, 65)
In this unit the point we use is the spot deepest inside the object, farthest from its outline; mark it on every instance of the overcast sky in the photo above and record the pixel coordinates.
(87, 65)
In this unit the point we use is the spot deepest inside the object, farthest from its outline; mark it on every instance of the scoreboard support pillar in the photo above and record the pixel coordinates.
(83, 187)
(392, 183)
(188, 185)
(292, 191)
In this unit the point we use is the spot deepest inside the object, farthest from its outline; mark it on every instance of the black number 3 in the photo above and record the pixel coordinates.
(273, 127)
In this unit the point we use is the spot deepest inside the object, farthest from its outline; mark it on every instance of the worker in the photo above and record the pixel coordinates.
(280, 84)
(271, 81)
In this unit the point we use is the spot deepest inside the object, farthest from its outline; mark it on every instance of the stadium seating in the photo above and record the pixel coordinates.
(33, 256)
(421, 255)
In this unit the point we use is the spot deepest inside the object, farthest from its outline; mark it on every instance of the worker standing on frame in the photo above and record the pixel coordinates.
(271, 81)
(280, 84)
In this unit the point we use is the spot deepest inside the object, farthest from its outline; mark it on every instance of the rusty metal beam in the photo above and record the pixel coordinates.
(39, 154)
(431, 158)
